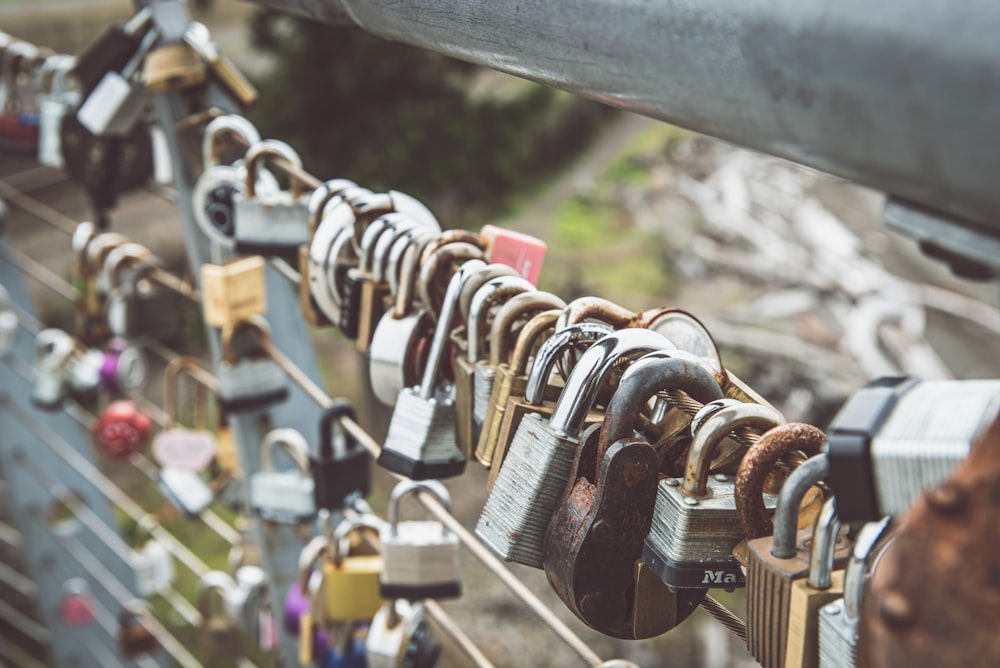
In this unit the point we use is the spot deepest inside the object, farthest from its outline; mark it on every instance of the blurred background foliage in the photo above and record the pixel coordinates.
(461, 139)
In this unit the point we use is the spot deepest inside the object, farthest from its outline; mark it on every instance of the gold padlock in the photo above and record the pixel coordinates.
(233, 292)
(349, 589)
(173, 67)
(224, 71)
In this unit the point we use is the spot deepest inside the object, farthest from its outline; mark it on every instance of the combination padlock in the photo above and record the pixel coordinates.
(285, 497)
(695, 523)
(594, 541)
(529, 486)
(273, 223)
(122, 429)
(400, 637)
(421, 557)
(122, 369)
(341, 470)
(421, 440)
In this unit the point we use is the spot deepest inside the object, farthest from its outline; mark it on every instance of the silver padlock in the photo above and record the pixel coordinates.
(154, 568)
(8, 323)
(248, 598)
(118, 102)
(270, 223)
(838, 621)
(421, 441)
(185, 490)
(56, 100)
(248, 379)
(54, 350)
(695, 523)
(399, 636)
(285, 497)
(531, 481)
(421, 557)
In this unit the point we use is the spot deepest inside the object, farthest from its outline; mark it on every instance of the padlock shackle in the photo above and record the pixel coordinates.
(445, 323)
(574, 336)
(373, 232)
(405, 271)
(406, 487)
(341, 245)
(366, 207)
(194, 370)
(856, 573)
(213, 582)
(810, 472)
(120, 258)
(400, 226)
(54, 73)
(330, 418)
(592, 371)
(596, 308)
(710, 434)
(317, 547)
(823, 545)
(644, 379)
(450, 237)
(291, 441)
(97, 250)
(478, 280)
(230, 124)
(322, 196)
(495, 291)
(341, 534)
(214, 177)
(519, 307)
(757, 464)
(255, 326)
(440, 264)
(275, 149)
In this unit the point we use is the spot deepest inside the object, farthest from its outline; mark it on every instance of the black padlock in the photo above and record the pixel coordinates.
(338, 475)
(111, 50)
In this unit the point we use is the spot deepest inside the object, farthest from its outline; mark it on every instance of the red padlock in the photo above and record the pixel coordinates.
(122, 429)
(75, 608)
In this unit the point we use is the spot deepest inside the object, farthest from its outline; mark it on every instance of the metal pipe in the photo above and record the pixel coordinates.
(901, 99)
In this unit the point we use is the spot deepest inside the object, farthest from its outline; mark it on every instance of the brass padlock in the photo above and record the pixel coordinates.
(219, 636)
(233, 292)
(349, 587)
(173, 67)
(222, 69)
(134, 636)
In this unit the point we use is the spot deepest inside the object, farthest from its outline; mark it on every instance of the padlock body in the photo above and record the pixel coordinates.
(233, 292)
(527, 491)
(274, 223)
(285, 497)
(421, 561)
(113, 108)
(505, 385)
(838, 637)
(173, 67)
(250, 384)
(350, 305)
(51, 114)
(464, 391)
(185, 490)
(350, 590)
(484, 377)
(341, 476)
(220, 639)
(802, 648)
(691, 541)
(373, 296)
(420, 443)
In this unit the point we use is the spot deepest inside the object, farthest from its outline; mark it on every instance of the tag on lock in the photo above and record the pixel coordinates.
(175, 446)
(595, 538)
(421, 557)
(285, 497)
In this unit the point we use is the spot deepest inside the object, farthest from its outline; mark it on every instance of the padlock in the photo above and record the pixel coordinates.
(695, 524)
(838, 621)
(115, 105)
(370, 206)
(478, 280)
(421, 557)
(225, 138)
(348, 589)
(19, 113)
(186, 490)
(221, 68)
(244, 603)
(8, 323)
(226, 456)
(246, 550)
(824, 584)
(400, 637)
(529, 486)
(176, 446)
(285, 497)
(233, 292)
(441, 263)
(219, 637)
(341, 471)
(897, 438)
(523, 252)
(270, 223)
(56, 100)
(329, 191)
(135, 639)
(91, 250)
(398, 349)
(122, 429)
(123, 368)
(76, 603)
(595, 538)
(356, 297)
(172, 67)
(112, 49)
(153, 566)
(537, 396)
(53, 351)
(494, 292)
(141, 306)
(421, 442)
(774, 562)
(248, 378)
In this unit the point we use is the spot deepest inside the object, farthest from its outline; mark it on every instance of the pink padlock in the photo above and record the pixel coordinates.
(76, 609)
(122, 429)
